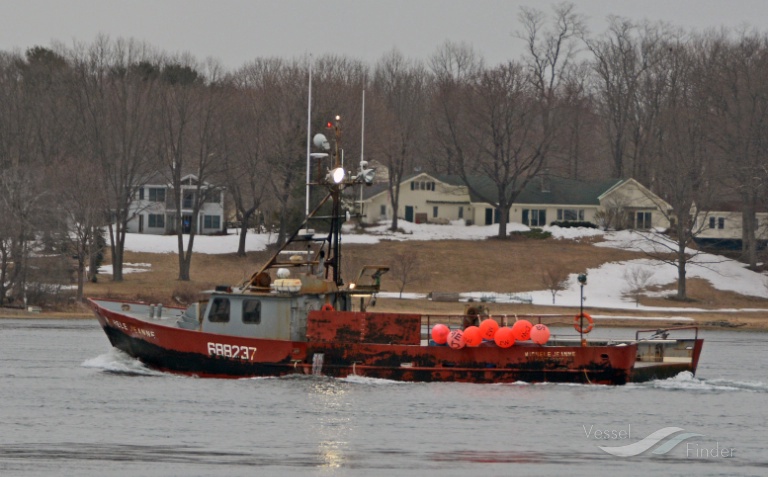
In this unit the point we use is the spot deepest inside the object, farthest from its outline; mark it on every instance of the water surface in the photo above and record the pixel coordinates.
(71, 405)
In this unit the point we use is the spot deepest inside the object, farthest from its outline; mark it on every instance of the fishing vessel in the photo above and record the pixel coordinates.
(297, 315)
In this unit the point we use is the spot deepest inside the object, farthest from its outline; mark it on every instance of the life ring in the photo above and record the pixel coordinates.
(327, 307)
(577, 323)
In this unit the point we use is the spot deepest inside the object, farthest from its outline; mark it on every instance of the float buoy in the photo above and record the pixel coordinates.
(440, 333)
(540, 334)
(577, 323)
(327, 307)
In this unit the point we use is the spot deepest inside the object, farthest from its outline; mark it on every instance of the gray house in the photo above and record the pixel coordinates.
(153, 210)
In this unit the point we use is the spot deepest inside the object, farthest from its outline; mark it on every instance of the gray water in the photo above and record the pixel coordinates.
(71, 405)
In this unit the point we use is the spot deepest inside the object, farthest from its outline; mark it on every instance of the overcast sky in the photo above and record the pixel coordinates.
(236, 31)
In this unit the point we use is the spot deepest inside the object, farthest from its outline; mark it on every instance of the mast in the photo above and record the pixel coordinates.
(309, 128)
(337, 180)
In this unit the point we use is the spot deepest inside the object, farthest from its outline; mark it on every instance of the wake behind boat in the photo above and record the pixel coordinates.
(297, 315)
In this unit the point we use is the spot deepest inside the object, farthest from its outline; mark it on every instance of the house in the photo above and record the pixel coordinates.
(435, 198)
(722, 227)
(153, 210)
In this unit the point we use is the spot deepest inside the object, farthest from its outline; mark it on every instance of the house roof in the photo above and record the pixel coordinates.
(559, 190)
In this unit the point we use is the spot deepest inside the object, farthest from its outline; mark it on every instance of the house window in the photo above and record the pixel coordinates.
(535, 217)
(570, 214)
(711, 222)
(219, 311)
(188, 199)
(252, 311)
(422, 185)
(213, 196)
(156, 194)
(461, 212)
(156, 221)
(643, 220)
(141, 193)
(211, 222)
(721, 222)
(434, 211)
(383, 211)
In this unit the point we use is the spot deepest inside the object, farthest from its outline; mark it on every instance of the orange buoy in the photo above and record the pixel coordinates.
(327, 307)
(456, 339)
(440, 333)
(472, 336)
(577, 323)
(540, 334)
(522, 330)
(504, 337)
(488, 328)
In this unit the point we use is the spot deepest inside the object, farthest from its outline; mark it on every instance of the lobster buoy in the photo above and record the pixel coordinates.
(577, 323)
(540, 334)
(327, 307)
(440, 333)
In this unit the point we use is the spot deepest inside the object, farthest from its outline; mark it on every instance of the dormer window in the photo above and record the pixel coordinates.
(422, 185)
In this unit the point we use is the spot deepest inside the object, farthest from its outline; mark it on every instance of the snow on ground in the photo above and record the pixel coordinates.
(606, 285)
(127, 268)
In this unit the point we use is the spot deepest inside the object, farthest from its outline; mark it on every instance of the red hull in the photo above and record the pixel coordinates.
(169, 348)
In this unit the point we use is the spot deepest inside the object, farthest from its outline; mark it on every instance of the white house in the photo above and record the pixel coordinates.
(723, 226)
(438, 198)
(153, 210)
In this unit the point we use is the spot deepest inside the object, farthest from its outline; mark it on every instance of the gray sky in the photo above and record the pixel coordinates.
(236, 31)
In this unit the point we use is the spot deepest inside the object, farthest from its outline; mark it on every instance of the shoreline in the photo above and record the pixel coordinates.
(755, 320)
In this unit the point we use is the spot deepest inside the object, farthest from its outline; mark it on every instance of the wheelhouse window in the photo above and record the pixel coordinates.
(219, 310)
(252, 312)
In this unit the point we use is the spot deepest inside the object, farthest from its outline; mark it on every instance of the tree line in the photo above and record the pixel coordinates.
(83, 127)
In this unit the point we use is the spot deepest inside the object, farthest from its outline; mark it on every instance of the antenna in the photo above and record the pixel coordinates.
(362, 156)
(309, 127)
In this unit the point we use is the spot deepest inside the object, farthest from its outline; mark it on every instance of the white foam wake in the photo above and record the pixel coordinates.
(116, 361)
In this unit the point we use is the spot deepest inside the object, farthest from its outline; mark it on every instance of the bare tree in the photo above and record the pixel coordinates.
(115, 99)
(245, 168)
(406, 269)
(623, 59)
(191, 146)
(400, 91)
(739, 103)
(613, 214)
(80, 203)
(638, 279)
(489, 123)
(278, 92)
(22, 200)
(682, 156)
(555, 279)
